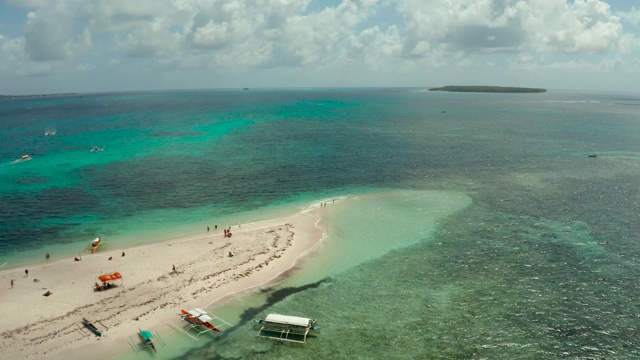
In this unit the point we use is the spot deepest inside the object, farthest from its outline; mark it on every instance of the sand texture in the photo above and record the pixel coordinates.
(151, 292)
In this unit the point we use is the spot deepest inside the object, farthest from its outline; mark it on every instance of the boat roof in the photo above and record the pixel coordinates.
(202, 315)
(146, 335)
(288, 320)
(197, 312)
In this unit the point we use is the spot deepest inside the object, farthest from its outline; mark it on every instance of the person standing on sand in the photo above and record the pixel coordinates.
(26, 272)
(12, 283)
(47, 256)
(207, 229)
(174, 268)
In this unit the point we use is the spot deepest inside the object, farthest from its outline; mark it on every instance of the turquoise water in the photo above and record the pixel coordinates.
(473, 226)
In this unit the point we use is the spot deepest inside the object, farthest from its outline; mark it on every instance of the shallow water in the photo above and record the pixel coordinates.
(480, 228)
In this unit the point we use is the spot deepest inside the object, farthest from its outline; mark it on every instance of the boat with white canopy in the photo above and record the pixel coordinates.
(199, 321)
(286, 328)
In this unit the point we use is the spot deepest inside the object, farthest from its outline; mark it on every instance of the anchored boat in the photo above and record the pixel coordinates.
(95, 244)
(147, 339)
(22, 159)
(199, 319)
(91, 327)
(286, 328)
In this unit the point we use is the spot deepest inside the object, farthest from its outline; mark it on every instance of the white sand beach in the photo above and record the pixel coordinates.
(151, 293)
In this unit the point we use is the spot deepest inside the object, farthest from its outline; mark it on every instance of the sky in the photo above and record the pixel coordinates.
(83, 46)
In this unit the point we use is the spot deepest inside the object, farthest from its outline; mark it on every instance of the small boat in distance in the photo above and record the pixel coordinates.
(22, 159)
(95, 244)
(97, 149)
(49, 133)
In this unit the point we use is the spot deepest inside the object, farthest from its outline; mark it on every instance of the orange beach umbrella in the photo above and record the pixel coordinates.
(109, 277)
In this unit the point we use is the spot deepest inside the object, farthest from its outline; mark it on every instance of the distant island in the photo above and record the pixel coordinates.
(488, 89)
(37, 96)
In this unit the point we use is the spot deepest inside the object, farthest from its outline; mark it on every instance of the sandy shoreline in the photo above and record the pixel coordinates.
(151, 293)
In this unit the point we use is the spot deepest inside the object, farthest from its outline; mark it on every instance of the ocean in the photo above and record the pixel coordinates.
(459, 225)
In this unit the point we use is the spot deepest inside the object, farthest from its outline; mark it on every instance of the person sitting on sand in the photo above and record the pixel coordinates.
(230, 254)
(76, 259)
(48, 293)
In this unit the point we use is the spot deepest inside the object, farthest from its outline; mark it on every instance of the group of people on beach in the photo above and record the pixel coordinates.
(227, 232)
(26, 274)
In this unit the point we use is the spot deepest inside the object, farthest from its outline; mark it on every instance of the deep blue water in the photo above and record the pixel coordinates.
(543, 263)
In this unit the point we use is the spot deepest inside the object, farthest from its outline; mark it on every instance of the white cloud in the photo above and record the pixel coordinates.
(11, 52)
(125, 15)
(48, 35)
(586, 26)
(36, 69)
(632, 17)
(85, 67)
(376, 36)
(30, 3)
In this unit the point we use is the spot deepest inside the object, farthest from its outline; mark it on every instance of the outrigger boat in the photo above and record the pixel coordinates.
(199, 318)
(95, 244)
(49, 133)
(286, 328)
(91, 327)
(147, 340)
(146, 336)
(22, 159)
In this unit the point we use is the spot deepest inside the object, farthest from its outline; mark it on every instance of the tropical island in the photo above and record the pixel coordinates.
(3, 97)
(488, 89)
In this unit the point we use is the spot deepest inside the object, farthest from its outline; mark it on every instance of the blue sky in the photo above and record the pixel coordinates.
(51, 46)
